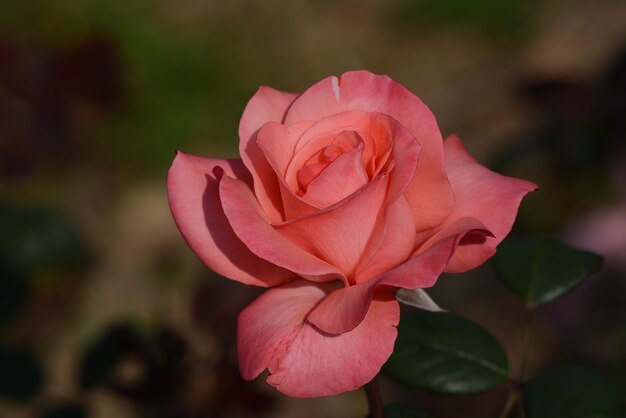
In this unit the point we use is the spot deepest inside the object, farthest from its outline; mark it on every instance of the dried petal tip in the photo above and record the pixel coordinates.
(418, 298)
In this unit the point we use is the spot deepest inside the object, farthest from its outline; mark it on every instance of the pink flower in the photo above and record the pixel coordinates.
(342, 195)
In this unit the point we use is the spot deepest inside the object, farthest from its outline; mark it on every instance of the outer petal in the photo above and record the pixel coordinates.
(269, 325)
(267, 105)
(430, 194)
(482, 194)
(345, 308)
(247, 220)
(194, 201)
(304, 362)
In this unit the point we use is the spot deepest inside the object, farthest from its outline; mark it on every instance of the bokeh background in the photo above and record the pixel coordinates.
(105, 312)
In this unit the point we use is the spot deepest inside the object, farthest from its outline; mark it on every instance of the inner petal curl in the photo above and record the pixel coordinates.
(340, 144)
(328, 141)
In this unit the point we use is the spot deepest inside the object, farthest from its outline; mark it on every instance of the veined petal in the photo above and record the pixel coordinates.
(304, 362)
(392, 243)
(381, 136)
(489, 197)
(267, 105)
(345, 308)
(277, 142)
(253, 229)
(340, 234)
(429, 194)
(268, 326)
(339, 180)
(194, 200)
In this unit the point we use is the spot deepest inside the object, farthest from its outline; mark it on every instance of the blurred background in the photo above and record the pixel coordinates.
(105, 312)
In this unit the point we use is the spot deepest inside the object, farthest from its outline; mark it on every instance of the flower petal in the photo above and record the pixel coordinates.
(267, 105)
(194, 201)
(345, 308)
(339, 180)
(253, 229)
(407, 157)
(268, 325)
(304, 362)
(490, 197)
(340, 233)
(393, 242)
(429, 194)
(277, 142)
(380, 135)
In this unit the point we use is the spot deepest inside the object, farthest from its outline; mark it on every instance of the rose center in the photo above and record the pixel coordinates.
(314, 166)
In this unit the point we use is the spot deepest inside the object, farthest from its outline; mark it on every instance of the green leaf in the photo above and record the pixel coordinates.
(402, 411)
(572, 392)
(446, 354)
(540, 269)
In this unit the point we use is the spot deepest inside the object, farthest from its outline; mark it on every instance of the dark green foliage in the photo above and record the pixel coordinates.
(99, 362)
(65, 411)
(504, 19)
(402, 411)
(14, 290)
(446, 354)
(540, 269)
(155, 356)
(572, 392)
(21, 376)
(38, 239)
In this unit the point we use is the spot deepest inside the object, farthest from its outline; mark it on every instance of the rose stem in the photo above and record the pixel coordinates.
(515, 392)
(511, 401)
(374, 399)
(528, 334)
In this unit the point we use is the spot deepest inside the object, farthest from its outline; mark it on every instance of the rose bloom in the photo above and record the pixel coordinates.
(342, 195)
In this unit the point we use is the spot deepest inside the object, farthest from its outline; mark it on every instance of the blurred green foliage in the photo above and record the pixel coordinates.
(34, 243)
(500, 20)
(67, 410)
(185, 87)
(22, 375)
(402, 411)
(572, 392)
(14, 290)
(176, 84)
(37, 240)
(156, 356)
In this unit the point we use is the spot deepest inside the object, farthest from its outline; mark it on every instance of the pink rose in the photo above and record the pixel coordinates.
(343, 194)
